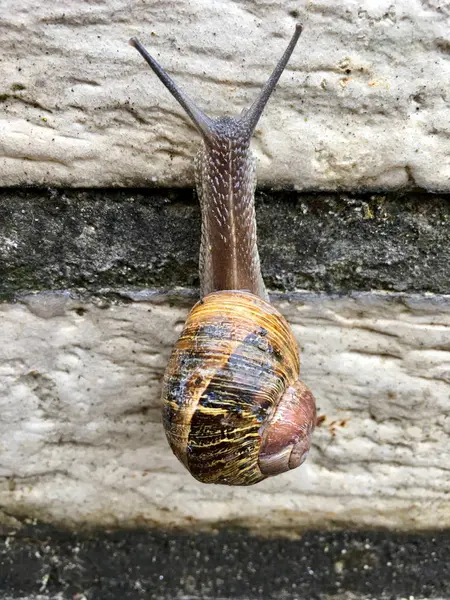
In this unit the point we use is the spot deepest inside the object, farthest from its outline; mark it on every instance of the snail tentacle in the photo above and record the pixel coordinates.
(200, 120)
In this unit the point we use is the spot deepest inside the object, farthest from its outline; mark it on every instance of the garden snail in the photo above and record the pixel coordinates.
(234, 409)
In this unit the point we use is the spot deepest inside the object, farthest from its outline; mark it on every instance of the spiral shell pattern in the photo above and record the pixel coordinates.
(233, 361)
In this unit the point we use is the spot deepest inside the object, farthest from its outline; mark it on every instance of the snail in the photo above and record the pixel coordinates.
(234, 409)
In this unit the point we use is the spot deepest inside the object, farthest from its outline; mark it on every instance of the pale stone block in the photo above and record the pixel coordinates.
(81, 438)
(364, 102)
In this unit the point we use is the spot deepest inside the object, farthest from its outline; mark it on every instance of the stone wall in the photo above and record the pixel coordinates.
(95, 282)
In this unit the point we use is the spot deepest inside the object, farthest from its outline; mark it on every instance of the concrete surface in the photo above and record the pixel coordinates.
(100, 239)
(81, 438)
(363, 104)
(47, 564)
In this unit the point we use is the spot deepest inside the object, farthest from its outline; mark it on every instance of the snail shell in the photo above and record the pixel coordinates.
(234, 409)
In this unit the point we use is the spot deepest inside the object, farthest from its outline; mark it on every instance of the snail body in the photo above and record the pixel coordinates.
(234, 408)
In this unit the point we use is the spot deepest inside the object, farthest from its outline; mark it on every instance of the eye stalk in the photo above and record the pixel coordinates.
(205, 124)
(200, 120)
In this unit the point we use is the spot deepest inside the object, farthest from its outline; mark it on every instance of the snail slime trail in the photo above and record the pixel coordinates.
(234, 409)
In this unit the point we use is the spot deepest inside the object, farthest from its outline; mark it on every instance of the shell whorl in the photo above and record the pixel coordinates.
(227, 373)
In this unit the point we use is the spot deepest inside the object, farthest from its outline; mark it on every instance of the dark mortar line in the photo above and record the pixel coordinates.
(320, 242)
(229, 563)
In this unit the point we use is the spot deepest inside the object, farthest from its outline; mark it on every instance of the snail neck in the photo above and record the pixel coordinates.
(226, 181)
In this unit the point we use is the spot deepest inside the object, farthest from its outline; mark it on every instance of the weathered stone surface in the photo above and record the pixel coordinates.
(81, 439)
(363, 104)
(99, 239)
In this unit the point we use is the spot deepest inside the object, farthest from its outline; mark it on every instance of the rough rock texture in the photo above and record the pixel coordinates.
(363, 104)
(100, 239)
(230, 565)
(81, 439)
